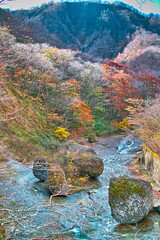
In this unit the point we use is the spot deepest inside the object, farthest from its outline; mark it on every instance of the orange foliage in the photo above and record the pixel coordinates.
(118, 88)
(122, 125)
(72, 87)
(82, 111)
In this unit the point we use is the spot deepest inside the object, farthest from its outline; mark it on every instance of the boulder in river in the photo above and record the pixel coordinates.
(92, 138)
(83, 160)
(40, 168)
(71, 169)
(130, 199)
(56, 181)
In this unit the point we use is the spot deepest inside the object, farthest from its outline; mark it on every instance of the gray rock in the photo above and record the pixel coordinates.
(130, 199)
(83, 159)
(89, 164)
(40, 169)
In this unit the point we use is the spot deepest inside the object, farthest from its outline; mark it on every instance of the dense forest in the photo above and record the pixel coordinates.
(65, 89)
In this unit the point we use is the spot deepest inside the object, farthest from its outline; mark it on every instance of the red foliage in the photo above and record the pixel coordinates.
(111, 63)
(152, 83)
(118, 89)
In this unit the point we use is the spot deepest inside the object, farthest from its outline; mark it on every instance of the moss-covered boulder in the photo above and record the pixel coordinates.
(81, 159)
(40, 168)
(56, 180)
(130, 199)
(89, 164)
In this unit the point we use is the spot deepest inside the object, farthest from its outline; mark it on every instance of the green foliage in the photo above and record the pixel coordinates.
(28, 133)
(103, 126)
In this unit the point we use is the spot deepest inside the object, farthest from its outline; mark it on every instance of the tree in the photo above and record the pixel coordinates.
(117, 89)
(142, 54)
(145, 117)
(82, 111)
(151, 85)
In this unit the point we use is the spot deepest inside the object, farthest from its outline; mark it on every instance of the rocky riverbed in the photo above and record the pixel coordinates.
(28, 212)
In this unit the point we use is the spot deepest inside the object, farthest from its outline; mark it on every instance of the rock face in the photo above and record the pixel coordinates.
(130, 199)
(151, 162)
(130, 144)
(40, 169)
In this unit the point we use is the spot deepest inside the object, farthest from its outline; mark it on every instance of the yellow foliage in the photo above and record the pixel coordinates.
(58, 56)
(153, 154)
(61, 133)
(83, 179)
(123, 124)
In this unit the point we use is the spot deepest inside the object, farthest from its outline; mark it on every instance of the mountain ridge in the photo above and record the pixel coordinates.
(100, 30)
(97, 30)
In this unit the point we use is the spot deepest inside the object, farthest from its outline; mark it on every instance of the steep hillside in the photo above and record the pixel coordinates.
(142, 54)
(47, 94)
(100, 30)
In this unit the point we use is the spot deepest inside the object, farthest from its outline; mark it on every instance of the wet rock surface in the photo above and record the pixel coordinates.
(130, 199)
(40, 169)
(130, 145)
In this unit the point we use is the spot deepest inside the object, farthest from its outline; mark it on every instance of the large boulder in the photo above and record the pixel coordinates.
(130, 199)
(71, 170)
(82, 158)
(56, 181)
(89, 164)
(40, 168)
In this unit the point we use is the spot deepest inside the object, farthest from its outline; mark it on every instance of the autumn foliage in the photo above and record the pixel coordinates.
(61, 133)
(145, 117)
(117, 89)
(82, 111)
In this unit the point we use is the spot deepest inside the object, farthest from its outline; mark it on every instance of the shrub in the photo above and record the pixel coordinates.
(122, 125)
(61, 133)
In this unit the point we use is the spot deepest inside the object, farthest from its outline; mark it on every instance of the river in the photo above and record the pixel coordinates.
(28, 212)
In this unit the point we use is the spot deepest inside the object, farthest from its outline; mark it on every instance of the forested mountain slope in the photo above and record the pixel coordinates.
(142, 54)
(100, 30)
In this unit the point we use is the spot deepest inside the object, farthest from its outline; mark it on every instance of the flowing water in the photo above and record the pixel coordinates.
(29, 213)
